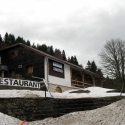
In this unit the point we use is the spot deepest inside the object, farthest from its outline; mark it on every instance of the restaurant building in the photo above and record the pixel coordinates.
(23, 62)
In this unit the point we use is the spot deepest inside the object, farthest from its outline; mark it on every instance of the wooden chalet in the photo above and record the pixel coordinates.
(23, 62)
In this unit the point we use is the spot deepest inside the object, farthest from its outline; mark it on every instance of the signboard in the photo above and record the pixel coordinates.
(57, 70)
(19, 82)
(57, 65)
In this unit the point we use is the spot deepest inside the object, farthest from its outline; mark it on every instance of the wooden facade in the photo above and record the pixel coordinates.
(24, 62)
(83, 79)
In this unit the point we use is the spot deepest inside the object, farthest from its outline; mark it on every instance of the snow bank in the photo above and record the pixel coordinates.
(8, 120)
(112, 114)
(94, 92)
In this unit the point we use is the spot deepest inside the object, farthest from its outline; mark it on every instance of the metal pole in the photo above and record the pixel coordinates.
(45, 93)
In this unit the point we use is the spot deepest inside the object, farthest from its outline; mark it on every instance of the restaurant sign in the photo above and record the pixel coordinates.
(19, 82)
(57, 67)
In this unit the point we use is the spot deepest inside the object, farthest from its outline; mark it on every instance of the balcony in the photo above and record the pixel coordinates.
(77, 83)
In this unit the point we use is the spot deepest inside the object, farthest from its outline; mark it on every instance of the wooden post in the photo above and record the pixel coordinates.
(82, 78)
(71, 75)
(45, 92)
(101, 83)
(2, 73)
(93, 80)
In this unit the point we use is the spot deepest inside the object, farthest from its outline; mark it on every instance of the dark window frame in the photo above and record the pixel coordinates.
(55, 73)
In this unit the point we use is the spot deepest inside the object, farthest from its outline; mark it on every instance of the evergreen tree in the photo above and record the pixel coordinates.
(28, 43)
(88, 67)
(69, 60)
(99, 72)
(50, 50)
(44, 48)
(1, 39)
(11, 38)
(39, 47)
(34, 46)
(72, 59)
(63, 55)
(20, 40)
(75, 60)
(93, 67)
(6, 38)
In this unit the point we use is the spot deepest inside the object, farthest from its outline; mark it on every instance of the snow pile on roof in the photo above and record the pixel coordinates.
(94, 92)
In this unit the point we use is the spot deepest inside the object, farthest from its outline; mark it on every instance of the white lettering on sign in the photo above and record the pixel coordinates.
(57, 70)
(19, 82)
(57, 65)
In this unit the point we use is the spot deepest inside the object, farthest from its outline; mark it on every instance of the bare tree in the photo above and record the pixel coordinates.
(112, 58)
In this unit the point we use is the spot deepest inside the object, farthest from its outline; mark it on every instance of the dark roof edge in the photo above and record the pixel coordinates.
(54, 58)
(11, 46)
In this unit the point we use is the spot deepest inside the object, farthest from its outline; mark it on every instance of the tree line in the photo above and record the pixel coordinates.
(112, 57)
(91, 66)
(10, 39)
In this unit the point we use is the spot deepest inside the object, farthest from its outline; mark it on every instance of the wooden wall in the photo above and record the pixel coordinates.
(21, 60)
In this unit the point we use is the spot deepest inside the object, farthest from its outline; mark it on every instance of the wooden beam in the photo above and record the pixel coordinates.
(83, 79)
(93, 80)
(77, 81)
(101, 83)
(78, 85)
(71, 75)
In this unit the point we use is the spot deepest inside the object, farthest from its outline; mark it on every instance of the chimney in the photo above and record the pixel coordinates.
(58, 54)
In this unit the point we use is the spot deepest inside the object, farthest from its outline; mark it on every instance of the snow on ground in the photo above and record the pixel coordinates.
(94, 92)
(113, 114)
(8, 120)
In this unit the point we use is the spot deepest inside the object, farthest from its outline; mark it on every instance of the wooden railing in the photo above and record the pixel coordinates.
(77, 83)
(80, 84)
(87, 84)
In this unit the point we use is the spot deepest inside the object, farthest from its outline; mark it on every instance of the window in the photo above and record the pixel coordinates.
(14, 54)
(29, 69)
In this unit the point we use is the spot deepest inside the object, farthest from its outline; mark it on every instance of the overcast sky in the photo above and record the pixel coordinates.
(80, 27)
